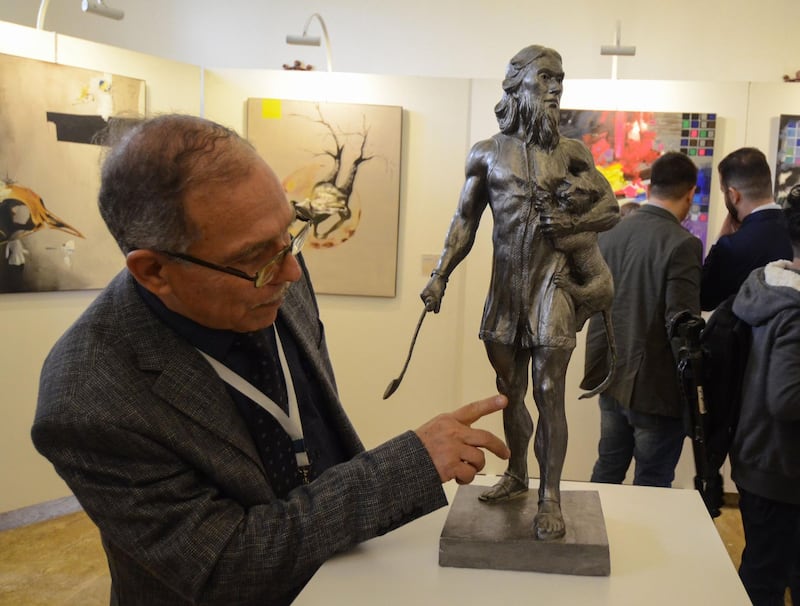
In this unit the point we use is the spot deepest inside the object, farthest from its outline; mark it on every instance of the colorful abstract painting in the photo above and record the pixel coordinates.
(625, 145)
(51, 233)
(340, 163)
(787, 169)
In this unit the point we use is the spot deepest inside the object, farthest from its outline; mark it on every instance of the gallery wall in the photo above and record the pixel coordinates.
(736, 40)
(34, 321)
(368, 336)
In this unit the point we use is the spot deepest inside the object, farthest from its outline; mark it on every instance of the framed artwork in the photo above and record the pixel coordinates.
(340, 162)
(787, 167)
(625, 145)
(51, 234)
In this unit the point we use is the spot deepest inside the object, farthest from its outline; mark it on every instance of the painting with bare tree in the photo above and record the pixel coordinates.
(51, 233)
(340, 162)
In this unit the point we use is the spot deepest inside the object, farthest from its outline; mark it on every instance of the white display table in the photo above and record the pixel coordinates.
(664, 550)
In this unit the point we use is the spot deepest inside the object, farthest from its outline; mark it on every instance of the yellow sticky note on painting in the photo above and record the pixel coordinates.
(270, 109)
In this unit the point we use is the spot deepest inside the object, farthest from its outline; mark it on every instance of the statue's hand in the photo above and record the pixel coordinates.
(575, 196)
(555, 223)
(433, 292)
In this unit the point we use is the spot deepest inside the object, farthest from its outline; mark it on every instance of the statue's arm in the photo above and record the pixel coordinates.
(464, 224)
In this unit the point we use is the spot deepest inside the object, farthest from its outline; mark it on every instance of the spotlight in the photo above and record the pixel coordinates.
(305, 40)
(616, 49)
(98, 7)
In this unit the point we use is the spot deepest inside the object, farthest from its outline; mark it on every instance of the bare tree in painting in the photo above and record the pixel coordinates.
(330, 197)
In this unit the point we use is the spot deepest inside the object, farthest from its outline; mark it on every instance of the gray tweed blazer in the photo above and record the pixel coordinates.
(146, 436)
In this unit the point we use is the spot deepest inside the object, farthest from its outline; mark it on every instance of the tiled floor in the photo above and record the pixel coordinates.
(61, 562)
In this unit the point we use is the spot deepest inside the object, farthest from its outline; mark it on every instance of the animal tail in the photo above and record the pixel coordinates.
(612, 346)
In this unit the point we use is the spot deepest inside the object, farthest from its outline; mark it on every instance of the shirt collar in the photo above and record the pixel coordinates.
(657, 210)
(213, 341)
(770, 206)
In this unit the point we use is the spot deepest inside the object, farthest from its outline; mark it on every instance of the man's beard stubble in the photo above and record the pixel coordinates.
(734, 214)
(540, 123)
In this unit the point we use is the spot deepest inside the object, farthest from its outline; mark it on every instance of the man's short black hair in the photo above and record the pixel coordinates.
(672, 175)
(747, 170)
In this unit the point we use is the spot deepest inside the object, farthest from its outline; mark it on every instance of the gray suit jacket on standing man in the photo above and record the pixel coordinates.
(134, 419)
(656, 265)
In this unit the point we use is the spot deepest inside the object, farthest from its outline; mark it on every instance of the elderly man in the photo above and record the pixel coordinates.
(527, 174)
(192, 408)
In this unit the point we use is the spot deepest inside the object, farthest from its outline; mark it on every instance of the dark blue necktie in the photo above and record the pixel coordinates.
(274, 445)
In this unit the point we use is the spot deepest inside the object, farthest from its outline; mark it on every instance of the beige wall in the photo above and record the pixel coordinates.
(368, 336)
(718, 40)
(34, 321)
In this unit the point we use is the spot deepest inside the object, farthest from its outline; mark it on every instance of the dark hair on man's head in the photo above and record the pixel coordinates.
(672, 176)
(628, 208)
(507, 109)
(151, 168)
(747, 170)
(792, 212)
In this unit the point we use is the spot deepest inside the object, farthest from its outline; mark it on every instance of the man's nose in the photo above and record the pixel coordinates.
(289, 269)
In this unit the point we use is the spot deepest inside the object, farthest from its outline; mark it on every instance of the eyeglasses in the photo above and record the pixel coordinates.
(263, 275)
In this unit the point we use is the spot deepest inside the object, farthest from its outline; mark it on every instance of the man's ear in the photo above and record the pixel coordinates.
(147, 267)
(735, 195)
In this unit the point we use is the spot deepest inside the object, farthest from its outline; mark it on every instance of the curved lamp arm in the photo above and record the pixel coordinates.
(307, 40)
(42, 14)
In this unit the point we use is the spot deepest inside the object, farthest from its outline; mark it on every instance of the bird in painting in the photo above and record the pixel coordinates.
(22, 213)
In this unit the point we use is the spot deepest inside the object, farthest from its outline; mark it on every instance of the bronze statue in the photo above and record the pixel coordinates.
(544, 192)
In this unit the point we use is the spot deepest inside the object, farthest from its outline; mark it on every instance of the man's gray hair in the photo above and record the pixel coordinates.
(151, 168)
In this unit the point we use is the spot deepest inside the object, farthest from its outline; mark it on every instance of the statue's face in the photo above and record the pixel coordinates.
(543, 84)
(539, 98)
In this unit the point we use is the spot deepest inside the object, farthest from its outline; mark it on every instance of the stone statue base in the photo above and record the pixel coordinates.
(500, 536)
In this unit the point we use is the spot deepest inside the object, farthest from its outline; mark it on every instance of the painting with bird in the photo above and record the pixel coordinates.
(51, 234)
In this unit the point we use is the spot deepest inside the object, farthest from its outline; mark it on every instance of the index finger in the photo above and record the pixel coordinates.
(480, 438)
(470, 413)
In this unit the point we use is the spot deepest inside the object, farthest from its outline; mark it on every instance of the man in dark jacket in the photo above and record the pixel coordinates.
(754, 232)
(656, 268)
(765, 453)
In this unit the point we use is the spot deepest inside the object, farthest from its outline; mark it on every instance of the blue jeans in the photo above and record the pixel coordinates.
(772, 542)
(653, 441)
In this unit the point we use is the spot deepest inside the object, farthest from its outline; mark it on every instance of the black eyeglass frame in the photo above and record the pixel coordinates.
(265, 273)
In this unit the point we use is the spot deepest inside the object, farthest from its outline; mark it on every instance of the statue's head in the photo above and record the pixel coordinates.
(532, 95)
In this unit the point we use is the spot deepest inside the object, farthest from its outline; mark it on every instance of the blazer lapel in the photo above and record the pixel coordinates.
(300, 314)
(299, 322)
(185, 381)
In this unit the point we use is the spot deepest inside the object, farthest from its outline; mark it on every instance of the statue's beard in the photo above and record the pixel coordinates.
(540, 123)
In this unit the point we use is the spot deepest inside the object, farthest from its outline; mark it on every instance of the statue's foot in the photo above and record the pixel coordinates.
(507, 488)
(548, 524)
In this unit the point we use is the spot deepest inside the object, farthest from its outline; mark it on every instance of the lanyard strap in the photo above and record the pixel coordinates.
(293, 429)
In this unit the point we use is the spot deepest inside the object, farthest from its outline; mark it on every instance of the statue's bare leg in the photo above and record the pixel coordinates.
(549, 370)
(511, 367)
